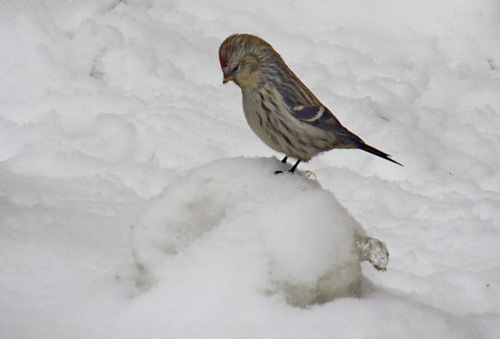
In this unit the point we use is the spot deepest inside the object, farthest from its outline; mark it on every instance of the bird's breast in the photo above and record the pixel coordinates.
(258, 117)
(268, 117)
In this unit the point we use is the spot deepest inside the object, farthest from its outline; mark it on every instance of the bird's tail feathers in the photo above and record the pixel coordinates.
(373, 150)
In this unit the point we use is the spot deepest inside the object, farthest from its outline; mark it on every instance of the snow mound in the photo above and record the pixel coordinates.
(271, 234)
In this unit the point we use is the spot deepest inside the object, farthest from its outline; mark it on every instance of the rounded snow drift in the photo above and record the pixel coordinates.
(235, 219)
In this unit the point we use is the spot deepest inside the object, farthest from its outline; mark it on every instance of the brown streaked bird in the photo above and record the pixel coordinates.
(279, 108)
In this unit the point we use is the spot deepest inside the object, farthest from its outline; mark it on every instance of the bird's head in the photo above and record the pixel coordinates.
(241, 57)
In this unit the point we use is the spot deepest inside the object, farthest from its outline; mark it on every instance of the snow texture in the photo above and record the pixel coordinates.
(237, 216)
(135, 202)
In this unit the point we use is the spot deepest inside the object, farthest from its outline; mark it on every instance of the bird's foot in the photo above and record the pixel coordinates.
(281, 172)
(292, 170)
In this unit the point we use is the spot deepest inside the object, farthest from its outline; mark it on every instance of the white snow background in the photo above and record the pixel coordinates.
(109, 109)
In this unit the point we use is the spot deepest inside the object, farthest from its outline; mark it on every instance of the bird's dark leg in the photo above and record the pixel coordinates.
(291, 169)
(284, 162)
(294, 166)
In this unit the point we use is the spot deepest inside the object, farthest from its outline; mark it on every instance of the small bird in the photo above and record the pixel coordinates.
(279, 108)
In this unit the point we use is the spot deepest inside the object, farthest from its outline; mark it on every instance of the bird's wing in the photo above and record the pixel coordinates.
(320, 117)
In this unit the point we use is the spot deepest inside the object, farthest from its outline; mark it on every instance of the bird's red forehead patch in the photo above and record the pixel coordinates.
(223, 61)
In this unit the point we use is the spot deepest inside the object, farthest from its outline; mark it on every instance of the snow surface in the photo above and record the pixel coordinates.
(109, 109)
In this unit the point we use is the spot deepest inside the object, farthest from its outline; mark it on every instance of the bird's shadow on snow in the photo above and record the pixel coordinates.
(233, 227)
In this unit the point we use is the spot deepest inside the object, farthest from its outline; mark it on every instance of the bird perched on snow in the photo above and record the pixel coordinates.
(279, 108)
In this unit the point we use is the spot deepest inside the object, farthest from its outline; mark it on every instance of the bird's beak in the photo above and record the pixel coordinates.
(227, 78)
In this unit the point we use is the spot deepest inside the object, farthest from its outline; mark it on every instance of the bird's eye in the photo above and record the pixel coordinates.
(235, 69)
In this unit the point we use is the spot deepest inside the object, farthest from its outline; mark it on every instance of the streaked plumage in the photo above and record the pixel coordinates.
(279, 108)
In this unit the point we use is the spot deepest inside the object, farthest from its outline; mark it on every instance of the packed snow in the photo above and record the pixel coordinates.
(307, 245)
(135, 201)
